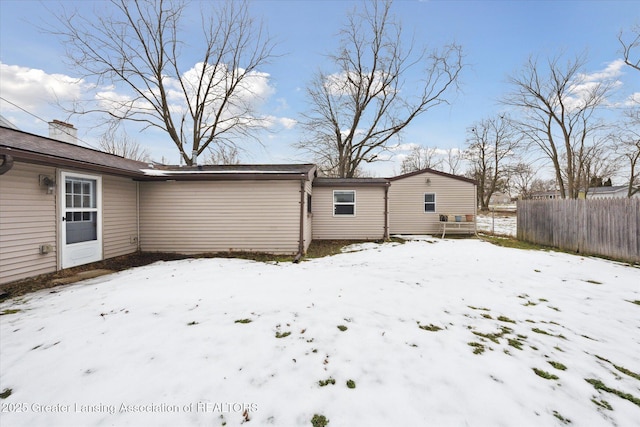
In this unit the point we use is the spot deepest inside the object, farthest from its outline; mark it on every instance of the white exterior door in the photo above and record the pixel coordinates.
(81, 222)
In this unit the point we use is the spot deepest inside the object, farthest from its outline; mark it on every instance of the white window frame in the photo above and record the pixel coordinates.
(344, 203)
(424, 202)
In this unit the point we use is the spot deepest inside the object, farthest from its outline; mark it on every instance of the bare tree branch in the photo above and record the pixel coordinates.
(138, 47)
(123, 145)
(356, 111)
(630, 46)
(558, 105)
(490, 143)
(421, 158)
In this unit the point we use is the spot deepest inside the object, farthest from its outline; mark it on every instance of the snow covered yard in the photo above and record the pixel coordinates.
(430, 332)
(498, 223)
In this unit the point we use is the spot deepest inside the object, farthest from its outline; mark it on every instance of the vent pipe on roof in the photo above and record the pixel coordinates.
(62, 131)
(194, 158)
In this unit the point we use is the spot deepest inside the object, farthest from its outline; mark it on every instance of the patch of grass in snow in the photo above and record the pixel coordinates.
(559, 349)
(543, 332)
(342, 328)
(243, 321)
(487, 316)
(594, 282)
(543, 300)
(636, 302)
(558, 365)
(599, 385)
(282, 334)
(192, 323)
(429, 327)
(478, 348)
(478, 308)
(494, 336)
(515, 343)
(10, 311)
(512, 243)
(602, 403)
(530, 303)
(324, 248)
(351, 384)
(553, 308)
(561, 418)
(6, 393)
(621, 368)
(544, 374)
(326, 382)
(319, 421)
(505, 319)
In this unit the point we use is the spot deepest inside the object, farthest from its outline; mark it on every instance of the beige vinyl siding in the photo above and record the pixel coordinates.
(366, 224)
(119, 204)
(406, 202)
(220, 216)
(27, 221)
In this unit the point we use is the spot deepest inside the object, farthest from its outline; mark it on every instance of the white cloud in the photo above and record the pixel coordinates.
(34, 89)
(588, 85)
(613, 70)
(288, 123)
(632, 100)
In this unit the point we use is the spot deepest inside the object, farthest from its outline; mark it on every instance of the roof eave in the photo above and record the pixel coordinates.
(350, 184)
(55, 161)
(435, 172)
(226, 177)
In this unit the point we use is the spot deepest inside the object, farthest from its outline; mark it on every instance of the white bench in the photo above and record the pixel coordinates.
(458, 222)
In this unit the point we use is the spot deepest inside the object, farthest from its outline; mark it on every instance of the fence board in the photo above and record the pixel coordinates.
(606, 227)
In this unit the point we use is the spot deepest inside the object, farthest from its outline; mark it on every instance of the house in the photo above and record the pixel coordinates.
(618, 191)
(350, 208)
(417, 199)
(63, 205)
(544, 195)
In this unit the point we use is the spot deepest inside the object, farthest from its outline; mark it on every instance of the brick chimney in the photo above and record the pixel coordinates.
(62, 131)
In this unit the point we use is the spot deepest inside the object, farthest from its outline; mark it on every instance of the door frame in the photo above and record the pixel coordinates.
(93, 248)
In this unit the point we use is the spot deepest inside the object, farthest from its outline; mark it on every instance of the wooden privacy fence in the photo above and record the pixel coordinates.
(606, 227)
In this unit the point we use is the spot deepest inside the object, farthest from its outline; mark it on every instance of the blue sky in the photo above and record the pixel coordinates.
(497, 37)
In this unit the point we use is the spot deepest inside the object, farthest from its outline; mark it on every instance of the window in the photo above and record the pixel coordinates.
(309, 203)
(344, 202)
(429, 202)
(81, 212)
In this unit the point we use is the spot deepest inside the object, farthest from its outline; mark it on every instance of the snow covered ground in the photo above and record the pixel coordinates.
(427, 333)
(498, 223)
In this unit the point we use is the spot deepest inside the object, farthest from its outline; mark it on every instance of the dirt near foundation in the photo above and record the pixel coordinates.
(317, 249)
(70, 275)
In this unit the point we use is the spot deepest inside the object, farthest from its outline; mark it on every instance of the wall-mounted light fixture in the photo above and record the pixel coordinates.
(428, 181)
(48, 182)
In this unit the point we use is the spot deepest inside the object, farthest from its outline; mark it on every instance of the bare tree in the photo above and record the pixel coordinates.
(421, 158)
(223, 155)
(358, 109)
(520, 179)
(543, 185)
(490, 143)
(627, 140)
(454, 159)
(138, 46)
(630, 48)
(558, 105)
(598, 164)
(122, 145)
